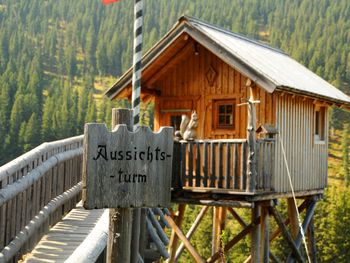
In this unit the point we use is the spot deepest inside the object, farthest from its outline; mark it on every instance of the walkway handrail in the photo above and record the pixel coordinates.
(34, 225)
(38, 155)
(30, 184)
(11, 190)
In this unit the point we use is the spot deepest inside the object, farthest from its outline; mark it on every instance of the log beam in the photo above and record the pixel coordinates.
(286, 233)
(174, 238)
(191, 231)
(183, 238)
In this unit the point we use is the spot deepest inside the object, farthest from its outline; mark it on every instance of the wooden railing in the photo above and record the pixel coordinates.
(39, 187)
(265, 164)
(220, 164)
(36, 189)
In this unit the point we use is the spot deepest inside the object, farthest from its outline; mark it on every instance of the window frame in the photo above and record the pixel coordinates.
(216, 114)
(319, 130)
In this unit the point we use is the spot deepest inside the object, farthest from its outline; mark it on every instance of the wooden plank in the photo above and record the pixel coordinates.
(212, 166)
(243, 177)
(190, 164)
(176, 181)
(220, 164)
(205, 164)
(235, 167)
(183, 164)
(198, 165)
(228, 176)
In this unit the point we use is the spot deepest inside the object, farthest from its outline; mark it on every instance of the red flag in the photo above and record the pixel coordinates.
(107, 2)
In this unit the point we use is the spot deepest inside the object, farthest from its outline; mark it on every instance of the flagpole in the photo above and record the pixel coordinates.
(135, 101)
(137, 66)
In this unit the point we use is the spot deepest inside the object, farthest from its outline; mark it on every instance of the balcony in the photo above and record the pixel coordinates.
(216, 169)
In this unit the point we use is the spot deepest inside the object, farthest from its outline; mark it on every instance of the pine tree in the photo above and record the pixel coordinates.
(346, 153)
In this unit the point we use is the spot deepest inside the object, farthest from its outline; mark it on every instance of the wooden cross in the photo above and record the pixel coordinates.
(251, 136)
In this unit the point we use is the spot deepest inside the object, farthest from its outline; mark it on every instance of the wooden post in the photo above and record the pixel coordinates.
(251, 136)
(293, 217)
(120, 220)
(256, 234)
(312, 242)
(219, 216)
(265, 235)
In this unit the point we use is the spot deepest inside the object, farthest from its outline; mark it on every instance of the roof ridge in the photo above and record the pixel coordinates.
(226, 31)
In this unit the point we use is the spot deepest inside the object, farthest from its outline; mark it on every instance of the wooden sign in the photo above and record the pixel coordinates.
(126, 169)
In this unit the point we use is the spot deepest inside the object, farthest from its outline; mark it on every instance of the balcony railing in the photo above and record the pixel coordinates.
(221, 164)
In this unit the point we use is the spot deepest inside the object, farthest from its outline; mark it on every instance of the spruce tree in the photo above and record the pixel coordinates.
(345, 153)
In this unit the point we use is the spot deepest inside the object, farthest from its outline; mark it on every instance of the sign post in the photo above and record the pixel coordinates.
(124, 170)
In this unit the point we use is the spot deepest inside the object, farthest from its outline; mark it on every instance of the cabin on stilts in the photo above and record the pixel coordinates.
(261, 134)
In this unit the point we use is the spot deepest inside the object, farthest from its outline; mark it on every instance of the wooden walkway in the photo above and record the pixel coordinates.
(66, 236)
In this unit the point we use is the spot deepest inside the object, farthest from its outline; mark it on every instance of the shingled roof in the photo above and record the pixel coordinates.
(270, 68)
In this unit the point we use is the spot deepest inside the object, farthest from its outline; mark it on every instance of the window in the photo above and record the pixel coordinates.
(175, 121)
(320, 123)
(224, 112)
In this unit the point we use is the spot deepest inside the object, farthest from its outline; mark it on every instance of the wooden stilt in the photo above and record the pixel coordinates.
(265, 233)
(312, 242)
(191, 231)
(256, 235)
(293, 217)
(214, 243)
(174, 238)
(218, 224)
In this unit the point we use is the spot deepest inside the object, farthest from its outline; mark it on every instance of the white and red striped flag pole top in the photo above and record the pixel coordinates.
(137, 55)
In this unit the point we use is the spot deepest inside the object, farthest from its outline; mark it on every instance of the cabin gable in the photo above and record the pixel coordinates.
(203, 82)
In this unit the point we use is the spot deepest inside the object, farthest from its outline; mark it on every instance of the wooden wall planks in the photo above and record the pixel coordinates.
(306, 157)
(188, 86)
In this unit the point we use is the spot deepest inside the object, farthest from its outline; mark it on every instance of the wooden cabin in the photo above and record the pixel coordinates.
(200, 67)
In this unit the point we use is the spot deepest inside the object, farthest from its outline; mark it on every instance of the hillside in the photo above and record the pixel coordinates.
(58, 57)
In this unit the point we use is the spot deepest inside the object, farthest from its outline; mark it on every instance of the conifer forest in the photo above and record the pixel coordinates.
(57, 58)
